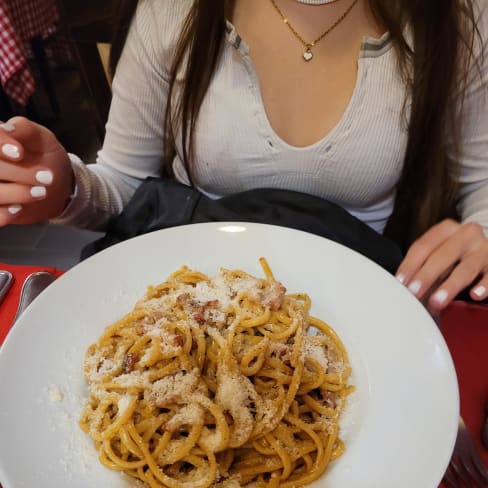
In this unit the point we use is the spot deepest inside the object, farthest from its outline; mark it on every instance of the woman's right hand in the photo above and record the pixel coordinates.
(36, 179)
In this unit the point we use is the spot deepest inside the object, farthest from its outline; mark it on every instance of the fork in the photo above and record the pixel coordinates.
(33, 285)
(466, 469)
(6, 279)
(484, 427)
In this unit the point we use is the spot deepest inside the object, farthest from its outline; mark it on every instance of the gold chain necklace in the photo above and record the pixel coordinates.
(308, 55)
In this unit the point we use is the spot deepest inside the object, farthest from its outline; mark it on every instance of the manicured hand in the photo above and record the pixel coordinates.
(444, 261)
(36, 178)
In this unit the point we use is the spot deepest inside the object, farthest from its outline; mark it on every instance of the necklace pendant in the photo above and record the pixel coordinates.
(307, 55)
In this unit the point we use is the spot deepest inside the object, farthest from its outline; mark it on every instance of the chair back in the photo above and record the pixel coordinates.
(87, 25)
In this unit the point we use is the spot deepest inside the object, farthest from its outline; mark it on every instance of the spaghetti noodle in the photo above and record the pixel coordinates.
(217, 382)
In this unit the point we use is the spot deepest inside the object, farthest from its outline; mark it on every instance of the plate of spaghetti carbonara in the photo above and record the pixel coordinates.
(208, 382)
(226, 355)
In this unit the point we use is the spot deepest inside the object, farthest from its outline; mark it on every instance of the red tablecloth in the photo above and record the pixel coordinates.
(465, 328)
(15, 76)
(33, 18)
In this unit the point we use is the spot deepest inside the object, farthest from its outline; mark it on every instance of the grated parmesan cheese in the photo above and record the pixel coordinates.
(317, 353)
(174, 388)
(123, 404)
(56, 395)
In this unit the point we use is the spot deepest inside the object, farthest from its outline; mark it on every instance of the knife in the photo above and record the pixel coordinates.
(6, 280)
(34, 284)
(484, 428)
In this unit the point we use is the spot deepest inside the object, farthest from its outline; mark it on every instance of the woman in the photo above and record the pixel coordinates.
(378, 105)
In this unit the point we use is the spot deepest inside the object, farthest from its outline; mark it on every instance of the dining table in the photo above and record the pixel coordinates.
(464, 327)
(24, 25)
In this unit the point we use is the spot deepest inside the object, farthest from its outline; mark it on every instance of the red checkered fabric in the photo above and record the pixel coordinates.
(33, 18)
(15, 76)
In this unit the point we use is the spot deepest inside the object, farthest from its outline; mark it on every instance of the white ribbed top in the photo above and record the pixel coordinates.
(356, 165)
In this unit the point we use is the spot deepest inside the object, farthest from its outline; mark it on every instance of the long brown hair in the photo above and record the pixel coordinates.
(435, 70)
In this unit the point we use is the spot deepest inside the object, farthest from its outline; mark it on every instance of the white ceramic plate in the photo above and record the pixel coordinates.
(399, 428)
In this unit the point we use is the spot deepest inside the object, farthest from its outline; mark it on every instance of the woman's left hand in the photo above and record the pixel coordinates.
(444, 261)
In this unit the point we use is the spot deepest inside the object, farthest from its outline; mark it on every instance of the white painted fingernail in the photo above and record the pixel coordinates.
(415, 286)
(11, 151)
(400, 277)
(38, 191)
(479, 291)
(45, 177)
(7, 127)
(440, 296)
(15, 209)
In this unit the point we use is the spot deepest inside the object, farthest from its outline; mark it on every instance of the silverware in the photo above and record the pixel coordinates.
(466, 469)
(34, 284)
(484, 427)
(6, 280)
